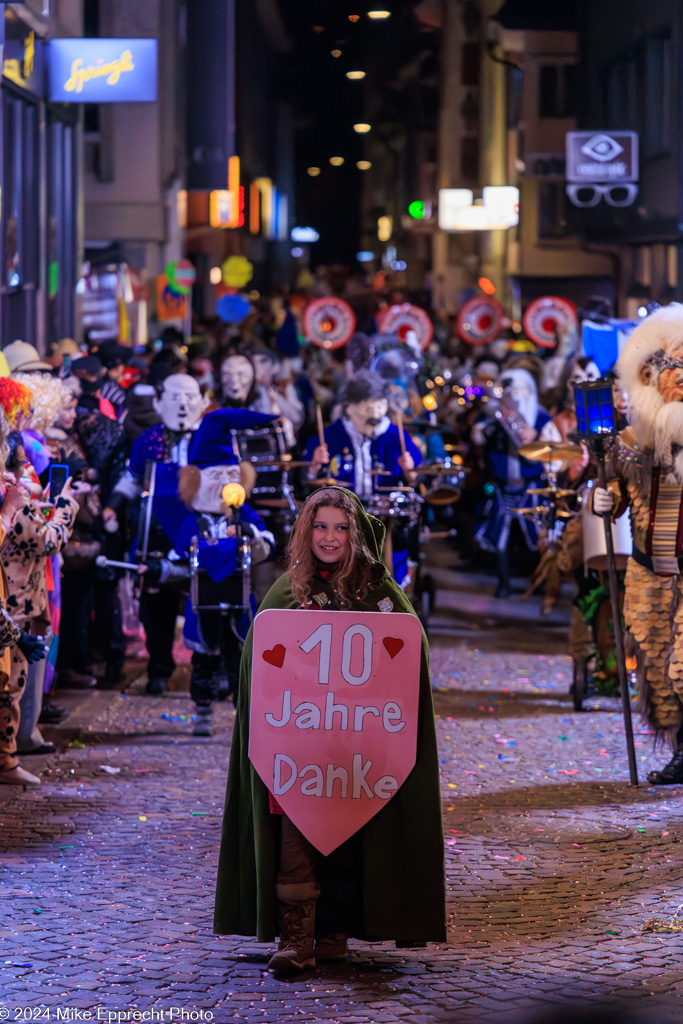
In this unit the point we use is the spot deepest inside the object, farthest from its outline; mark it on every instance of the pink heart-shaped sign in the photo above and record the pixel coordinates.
(276, 657)
(393, 645)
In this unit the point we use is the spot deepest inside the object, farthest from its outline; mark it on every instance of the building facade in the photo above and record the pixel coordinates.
(40, 174)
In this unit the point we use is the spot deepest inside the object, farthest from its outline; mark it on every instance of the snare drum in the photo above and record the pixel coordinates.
(401, 508)
(262, 446)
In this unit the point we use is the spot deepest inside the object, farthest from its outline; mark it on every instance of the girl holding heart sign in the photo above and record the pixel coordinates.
(387, 880)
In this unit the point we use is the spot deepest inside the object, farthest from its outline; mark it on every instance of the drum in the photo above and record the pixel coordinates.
(401, 508)
(264, 448)
(212, 602)
(232, 593)
(447, 489)
(594, 547)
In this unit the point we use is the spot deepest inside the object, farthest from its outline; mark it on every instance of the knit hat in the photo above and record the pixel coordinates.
(212, 444)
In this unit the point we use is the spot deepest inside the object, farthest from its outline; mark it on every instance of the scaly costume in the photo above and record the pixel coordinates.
(647, 465)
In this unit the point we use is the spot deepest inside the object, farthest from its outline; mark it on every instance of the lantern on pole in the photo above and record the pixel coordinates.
(596, 419)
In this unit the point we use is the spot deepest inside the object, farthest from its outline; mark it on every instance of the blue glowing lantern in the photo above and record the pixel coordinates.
(595, 412)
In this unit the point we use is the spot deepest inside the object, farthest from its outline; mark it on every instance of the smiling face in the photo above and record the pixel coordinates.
(367, 416)
(330, 534)
(181, 402)
(237, 376)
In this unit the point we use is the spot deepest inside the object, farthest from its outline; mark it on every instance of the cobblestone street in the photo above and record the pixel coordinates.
(555, 864)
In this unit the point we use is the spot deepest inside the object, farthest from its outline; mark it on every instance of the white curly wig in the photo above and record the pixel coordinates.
(50, 395)
(661, 331)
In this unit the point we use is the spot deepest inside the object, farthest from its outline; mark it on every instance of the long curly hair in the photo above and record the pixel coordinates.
(50, 395)
(358, 570)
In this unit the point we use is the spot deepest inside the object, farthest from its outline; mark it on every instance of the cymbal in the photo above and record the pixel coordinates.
(285, 464)
(551, 492)
(327, 481)
(380, 472)
(550, 451)
(438, 469)
(544, 510)
(389, 490)
(461, 449)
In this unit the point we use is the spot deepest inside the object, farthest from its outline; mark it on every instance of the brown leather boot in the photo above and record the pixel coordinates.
(297, 928)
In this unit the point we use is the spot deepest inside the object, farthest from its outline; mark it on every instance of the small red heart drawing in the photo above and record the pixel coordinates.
(393, 645)
(276, 657)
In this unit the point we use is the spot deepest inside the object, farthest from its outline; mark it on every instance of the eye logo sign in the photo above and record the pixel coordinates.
(602, 165)
(602, 148)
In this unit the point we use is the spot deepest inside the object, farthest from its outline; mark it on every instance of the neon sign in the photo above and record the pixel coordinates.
(103, 70)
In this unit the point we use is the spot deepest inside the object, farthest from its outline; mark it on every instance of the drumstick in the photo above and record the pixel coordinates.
(401, 435)
(321, 429)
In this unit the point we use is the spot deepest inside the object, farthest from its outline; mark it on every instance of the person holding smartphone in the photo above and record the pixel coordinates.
(33, 538)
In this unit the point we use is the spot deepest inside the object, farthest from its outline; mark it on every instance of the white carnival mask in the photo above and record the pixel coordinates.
(209, 496)
(181, 403)
(237, 377)
(367, 416)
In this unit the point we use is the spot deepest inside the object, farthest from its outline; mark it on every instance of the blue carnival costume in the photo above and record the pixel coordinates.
(352, 458)
(216, 637)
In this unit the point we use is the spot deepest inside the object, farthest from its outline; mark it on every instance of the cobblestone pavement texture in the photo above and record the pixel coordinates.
(555, 864)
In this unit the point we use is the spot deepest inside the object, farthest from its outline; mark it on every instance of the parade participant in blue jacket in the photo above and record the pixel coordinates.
(214, 487)
(364, 440)
(179, 405)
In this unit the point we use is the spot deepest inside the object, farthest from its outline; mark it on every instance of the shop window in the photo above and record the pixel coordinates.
(20, 173)
(61, 227)
(557, 90)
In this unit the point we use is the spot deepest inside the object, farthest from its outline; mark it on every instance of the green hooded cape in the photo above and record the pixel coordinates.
(401, 848)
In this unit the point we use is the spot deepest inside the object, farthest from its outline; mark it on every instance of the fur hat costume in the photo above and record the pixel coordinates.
(655, 345)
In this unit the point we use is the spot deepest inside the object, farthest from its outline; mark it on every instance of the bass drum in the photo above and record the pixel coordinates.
(594, 546)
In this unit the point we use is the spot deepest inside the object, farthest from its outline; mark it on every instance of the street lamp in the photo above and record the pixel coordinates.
(362, 128)
(596, 426)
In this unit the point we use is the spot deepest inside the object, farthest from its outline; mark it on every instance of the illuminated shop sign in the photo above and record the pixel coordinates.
(22, 55)
(103, 70)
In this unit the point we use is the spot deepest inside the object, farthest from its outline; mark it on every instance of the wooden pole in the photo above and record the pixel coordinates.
(321, 428)
(618, 632)
(401, 434)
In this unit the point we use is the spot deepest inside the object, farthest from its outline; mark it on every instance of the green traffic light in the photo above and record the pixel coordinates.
(417, 209)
